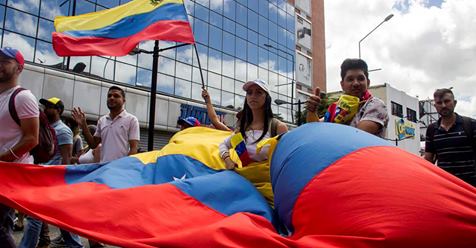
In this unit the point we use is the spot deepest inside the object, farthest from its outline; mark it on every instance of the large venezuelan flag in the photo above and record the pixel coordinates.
(116, 31)
(334, 186)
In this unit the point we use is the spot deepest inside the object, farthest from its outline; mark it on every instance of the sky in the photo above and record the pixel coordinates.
(428, 44)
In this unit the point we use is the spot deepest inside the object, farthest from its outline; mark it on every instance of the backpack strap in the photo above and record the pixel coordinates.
(11, 105)
(274, 127)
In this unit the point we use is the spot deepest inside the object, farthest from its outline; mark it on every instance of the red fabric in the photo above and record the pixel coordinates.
(370, 198)
(65, 45)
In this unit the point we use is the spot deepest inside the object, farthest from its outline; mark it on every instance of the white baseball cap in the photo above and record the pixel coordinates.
(261, 83)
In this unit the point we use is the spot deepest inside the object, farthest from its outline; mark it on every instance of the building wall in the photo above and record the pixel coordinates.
(388, 94)
(237, 40)
(90, 95)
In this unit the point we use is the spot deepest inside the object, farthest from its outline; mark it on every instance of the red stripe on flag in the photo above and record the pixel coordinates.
(386, 197)
(65, 45)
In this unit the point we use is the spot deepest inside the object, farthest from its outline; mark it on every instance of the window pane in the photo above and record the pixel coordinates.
(203, 55)
(273, 13)
(165, 84)
(31, 7)
(240, 70)
(83, 7)
(184, 54)
(253, 20)
(21, 23)
(45, 30)
(214, 80)
(227, 99)
(184, 71)
(216, 19)
(241, 31)
(229, 25)
(167, 66)
(183, 88)
(228, 43)
(87, 61)
(201, 31)
(228, 66)
(214, 61)
(228, 84)
(263, 26)
(263, 8)
(102, 67)
(252, 53)
(241, 14)
(215, 37)
(241, 48)
(144, 77)
(197, 92)
(201, 12)
(252, 72)
(108, 3)
(273, 31)
(196, 77)
(45, 54)
(252, 36)
(215, 95)
(125, 73)
(51, 9)
(230, 8)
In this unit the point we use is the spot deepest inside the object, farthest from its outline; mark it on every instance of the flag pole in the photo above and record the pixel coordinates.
(153, 93)
(199, 66)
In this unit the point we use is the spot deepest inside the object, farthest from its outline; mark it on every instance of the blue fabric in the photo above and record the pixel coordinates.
(209, 186)
(226, 192)
(31, 234)
(64, 136)
(134, 24)
(306, 151)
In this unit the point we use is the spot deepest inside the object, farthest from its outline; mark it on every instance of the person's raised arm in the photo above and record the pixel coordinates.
(80, 118)
(211, 112)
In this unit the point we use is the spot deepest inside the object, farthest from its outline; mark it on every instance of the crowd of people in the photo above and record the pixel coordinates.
(450, 141)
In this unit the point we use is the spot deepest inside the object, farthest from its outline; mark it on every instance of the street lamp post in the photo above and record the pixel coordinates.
(298, 103)
(292, 82)
(384, 20)
(153, 87)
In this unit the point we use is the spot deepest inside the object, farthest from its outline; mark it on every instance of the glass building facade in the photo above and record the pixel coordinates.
(237, 40)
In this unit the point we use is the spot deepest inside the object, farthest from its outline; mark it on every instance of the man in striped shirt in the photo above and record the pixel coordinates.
(451, 140)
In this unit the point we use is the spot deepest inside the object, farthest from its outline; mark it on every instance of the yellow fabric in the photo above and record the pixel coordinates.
(103, 18)
(200, 143)
(236, 139)
(258, 172)
(349, 106)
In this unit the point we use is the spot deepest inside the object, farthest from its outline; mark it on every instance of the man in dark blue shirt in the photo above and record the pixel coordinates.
(451, 140)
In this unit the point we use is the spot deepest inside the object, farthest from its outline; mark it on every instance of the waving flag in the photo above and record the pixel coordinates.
(116, 31)
(359, 193)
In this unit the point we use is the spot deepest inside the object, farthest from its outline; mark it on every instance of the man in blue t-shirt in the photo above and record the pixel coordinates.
(53, 109)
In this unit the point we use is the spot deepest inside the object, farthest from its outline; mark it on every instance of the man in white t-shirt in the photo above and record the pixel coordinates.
(118, 131)
(16, 141)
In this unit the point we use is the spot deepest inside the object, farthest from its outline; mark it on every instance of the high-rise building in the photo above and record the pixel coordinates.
(279, 41)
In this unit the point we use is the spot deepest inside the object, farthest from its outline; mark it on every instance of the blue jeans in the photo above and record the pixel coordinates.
(7, 216)
(32, 234)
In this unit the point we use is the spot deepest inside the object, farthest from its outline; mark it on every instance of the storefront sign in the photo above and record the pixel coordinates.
(404, 129)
